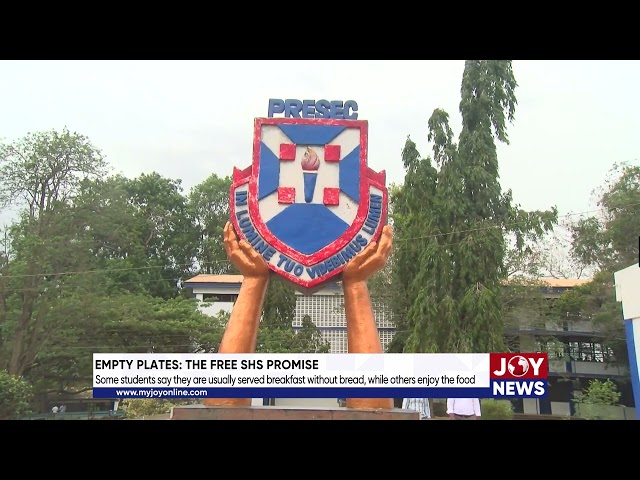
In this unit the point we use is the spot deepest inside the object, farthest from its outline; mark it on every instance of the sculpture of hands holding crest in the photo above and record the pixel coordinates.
(362, 333)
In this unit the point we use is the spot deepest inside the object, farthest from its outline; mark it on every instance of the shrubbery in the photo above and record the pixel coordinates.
(15, 397)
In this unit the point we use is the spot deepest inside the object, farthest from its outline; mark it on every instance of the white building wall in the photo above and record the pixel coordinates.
(325, 308)
(327, 312)
(214, 308)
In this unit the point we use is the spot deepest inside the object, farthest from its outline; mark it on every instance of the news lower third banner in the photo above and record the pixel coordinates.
(481, 375)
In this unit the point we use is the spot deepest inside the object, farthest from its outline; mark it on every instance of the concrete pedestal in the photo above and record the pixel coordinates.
(202, 412)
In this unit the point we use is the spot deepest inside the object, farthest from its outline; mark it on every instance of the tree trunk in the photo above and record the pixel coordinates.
(18, 346)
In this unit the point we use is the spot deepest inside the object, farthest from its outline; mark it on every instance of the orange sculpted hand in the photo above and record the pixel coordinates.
(371, 260)
(362, 331)
(249, 262)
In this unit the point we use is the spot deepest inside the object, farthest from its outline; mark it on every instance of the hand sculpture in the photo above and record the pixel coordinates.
(362, 331)
(242, 330)
(371, 260)
(243, 256)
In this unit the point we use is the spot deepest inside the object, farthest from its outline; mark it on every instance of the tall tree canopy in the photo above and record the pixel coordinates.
(93, 263)
(606, 242)
(40, 175)
(452, 222)
(209, 204)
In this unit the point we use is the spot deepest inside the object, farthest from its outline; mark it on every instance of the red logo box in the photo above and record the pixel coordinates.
(518, 366)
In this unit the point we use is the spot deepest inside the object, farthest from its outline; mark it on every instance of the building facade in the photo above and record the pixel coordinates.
(576, 352)
(325, 308)
(577, 355)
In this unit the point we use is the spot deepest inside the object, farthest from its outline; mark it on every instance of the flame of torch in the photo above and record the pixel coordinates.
(310, 165)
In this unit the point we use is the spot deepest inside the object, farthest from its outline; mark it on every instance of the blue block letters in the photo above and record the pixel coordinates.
(291, 108)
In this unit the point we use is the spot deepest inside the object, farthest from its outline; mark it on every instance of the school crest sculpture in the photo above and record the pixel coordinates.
(310, 210)
(309, 203)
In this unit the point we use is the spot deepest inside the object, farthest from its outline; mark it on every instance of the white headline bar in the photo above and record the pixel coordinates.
(178, 370)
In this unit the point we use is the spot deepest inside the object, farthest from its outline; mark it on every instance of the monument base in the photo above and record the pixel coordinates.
(203, 412)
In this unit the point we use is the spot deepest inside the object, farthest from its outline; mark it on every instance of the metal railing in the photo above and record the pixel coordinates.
(98, 415)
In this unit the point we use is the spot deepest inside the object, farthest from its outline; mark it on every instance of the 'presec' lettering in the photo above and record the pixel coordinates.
(311, 109)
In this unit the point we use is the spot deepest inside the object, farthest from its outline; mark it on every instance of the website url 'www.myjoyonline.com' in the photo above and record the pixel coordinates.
(153, 393)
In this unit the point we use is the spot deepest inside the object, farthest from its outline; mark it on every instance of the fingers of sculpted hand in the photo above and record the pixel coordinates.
(372, 259)
(242, 255)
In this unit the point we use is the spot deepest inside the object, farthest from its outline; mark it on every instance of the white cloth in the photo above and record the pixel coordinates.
(420, 405)
(463, 406)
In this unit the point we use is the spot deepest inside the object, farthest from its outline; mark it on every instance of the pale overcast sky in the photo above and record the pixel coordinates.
(188, 119)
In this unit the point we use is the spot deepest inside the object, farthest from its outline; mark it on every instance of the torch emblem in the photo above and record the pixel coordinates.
(310, 165)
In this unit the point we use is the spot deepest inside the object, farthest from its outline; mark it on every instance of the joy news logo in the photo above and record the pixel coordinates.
(519, 375)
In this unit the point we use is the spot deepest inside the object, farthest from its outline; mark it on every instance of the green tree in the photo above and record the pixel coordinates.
(606, 242)
(169, 235)
(124, 323)
(15, 397)
(600, 393)
(137, 408)
(409, 205)
(40, 174)
(385, 289)
(119, 238)
(143, 232)
(451, 217)
(496, 409)
(593, 401)
(84, 267)
(287, 340)
(279, 308)
(276, 334)
(595, 302)
(209, 204)
(309, 339)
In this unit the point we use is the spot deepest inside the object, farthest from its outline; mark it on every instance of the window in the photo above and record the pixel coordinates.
(590, 352)
(327, 313)
(337, 339)
(555, 349)
(578, 351)
(219, 297)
